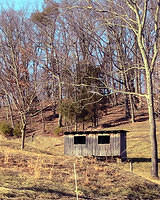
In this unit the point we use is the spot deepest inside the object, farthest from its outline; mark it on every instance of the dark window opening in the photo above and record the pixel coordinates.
(104, 139)
(79, 139)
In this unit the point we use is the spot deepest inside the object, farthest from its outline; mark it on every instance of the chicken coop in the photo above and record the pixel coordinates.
(96, 143)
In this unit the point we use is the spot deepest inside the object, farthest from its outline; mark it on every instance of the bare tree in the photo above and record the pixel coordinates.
(46, 22)
(141, 19)
(129, 30)
(138, 20)
(17, 56)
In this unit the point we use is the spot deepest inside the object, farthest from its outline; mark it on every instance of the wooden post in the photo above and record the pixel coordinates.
(131, 166)
(75, 176)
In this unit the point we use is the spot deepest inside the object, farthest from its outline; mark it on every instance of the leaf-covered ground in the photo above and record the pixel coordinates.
(42, 171)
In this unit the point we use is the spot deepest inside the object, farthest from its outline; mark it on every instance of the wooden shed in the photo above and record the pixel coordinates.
(96, 143)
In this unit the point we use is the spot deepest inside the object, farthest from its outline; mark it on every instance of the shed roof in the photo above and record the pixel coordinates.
(95, 132)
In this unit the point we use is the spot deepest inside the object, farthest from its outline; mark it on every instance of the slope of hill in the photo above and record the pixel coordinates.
(42, 171)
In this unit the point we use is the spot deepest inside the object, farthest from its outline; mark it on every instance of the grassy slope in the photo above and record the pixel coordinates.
(43, 172)
(139, 148)
(138, 139)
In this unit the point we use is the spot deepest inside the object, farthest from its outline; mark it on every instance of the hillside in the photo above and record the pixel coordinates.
(42, 171)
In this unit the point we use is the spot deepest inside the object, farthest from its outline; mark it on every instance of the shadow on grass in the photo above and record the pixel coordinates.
(51, 117)
(114, 123)
(123, 120)
(141, 160)
(51, 191)
(142, 117)
(33, 149)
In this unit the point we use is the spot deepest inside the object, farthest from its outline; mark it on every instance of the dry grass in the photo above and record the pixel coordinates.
(42, 171)
(139, 148)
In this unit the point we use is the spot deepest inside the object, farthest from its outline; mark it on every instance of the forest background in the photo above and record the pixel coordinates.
(79, 57)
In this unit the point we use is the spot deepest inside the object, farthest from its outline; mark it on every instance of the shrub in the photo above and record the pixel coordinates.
(17, 130)
(6, 129)
(58, 131)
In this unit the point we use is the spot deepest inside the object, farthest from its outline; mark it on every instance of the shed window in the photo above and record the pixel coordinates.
(79, 139)
(104, 139)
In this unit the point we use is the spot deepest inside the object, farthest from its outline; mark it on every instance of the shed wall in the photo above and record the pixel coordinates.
(114, 148)
(123, 146)
(111, 149)
(78, 149)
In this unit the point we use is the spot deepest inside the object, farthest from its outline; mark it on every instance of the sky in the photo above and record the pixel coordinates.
(19, 4)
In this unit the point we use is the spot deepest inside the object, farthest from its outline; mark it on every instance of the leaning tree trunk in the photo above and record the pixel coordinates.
(150, 104)
(149, 66)
(23, 129)
(153, 137)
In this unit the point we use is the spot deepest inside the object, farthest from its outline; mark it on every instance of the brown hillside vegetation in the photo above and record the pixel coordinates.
(72, 66)
(42, 171)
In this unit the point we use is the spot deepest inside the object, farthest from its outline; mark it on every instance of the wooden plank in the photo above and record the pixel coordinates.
(89, 143)
(79, 149)
(68, 147)
(116, 147)
(111, 149)
(123, 148)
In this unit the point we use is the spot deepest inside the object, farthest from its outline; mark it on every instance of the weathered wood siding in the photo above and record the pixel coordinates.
(116, 147)
(78, 149)
(123, 146)
(111, 149)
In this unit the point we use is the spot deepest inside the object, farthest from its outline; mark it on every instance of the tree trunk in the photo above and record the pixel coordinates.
(60, 120)
(10, 111)
(60, 99)
(130, 98)
(76, 124)
(115, 99)
(42, 117)
(94, 119)
(7, 114)
(23, 130)
(150, 104)
(132, 115)
(127, 110)
(83, 126)
(153, 137)
(23, 136)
